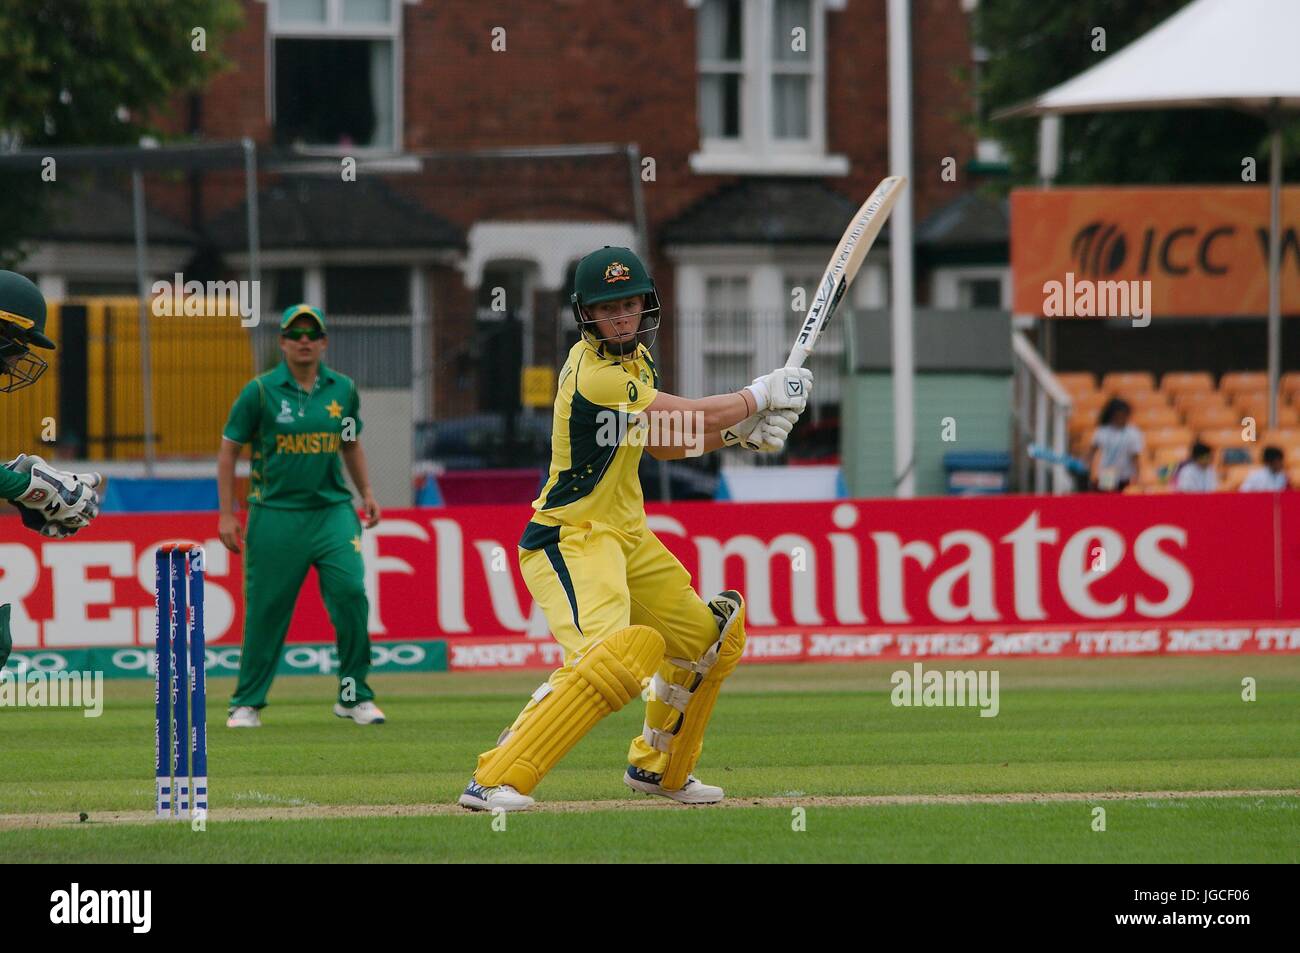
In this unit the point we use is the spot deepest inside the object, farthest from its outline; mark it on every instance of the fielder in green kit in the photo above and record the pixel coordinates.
(300, 418)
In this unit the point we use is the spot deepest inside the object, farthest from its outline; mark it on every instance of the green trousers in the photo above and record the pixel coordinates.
(280, 546)
(6, 641)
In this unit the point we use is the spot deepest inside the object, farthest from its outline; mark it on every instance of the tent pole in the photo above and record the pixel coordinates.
(1274, 262)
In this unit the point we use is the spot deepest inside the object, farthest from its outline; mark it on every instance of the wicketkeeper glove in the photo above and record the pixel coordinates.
(56, 503)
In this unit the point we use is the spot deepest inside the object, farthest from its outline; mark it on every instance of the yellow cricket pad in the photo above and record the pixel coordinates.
(605, 679)
(684, 745)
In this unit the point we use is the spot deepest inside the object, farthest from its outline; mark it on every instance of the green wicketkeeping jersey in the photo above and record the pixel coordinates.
(13, 485)
(296, 437)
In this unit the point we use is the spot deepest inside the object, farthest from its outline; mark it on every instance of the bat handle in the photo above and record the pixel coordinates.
(797, 356)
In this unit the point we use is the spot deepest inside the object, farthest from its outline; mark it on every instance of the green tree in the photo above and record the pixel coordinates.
(95, 72)
(1034, 45)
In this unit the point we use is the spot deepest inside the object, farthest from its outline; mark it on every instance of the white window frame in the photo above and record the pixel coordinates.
(335, 28)
(756, 150)
(767, 269)
(710, 349)
(945, 284)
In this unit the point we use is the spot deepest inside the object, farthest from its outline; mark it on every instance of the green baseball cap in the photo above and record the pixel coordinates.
(297, 311)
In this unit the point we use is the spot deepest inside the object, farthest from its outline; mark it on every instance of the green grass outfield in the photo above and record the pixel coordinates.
(817, 747)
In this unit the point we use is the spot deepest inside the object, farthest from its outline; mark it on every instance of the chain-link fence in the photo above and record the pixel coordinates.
(448, 283)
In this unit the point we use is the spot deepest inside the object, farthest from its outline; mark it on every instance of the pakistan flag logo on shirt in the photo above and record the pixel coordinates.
(286, 414)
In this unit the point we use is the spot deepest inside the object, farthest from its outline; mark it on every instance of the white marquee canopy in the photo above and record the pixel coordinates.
(1225, 54)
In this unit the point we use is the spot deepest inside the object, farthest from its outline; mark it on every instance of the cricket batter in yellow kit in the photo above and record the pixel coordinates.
(617, 600)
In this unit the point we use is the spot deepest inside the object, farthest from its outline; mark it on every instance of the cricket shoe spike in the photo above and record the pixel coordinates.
(363, 713)
(244, 716)
(694, 791)
(500, 798)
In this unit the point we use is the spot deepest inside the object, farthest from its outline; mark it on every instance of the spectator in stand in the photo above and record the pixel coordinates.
(1116, 445)
(1196, 473)
(1270, 477)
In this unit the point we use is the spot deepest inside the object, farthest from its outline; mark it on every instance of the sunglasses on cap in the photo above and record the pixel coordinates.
(298, 334)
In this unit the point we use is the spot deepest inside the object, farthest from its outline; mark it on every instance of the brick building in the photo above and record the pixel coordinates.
(758, 126)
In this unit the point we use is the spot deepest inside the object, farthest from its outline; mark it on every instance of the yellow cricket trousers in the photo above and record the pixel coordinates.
(592, 580)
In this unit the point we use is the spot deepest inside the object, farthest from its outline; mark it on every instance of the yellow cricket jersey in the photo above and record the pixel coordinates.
(593, 464)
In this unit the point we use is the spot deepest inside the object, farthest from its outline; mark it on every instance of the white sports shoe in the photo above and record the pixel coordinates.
(243, 716)
(500, 798)
(363, 713)
(694, 791)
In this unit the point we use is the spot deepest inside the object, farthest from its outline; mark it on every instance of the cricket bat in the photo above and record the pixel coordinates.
(844, 264)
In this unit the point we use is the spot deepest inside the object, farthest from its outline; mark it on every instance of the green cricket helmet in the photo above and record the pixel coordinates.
(22, 327)
(610, 274)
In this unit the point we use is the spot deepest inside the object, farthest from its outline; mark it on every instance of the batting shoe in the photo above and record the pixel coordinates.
(363, 713)
(244, 716)
(500, 798)
(694, 791)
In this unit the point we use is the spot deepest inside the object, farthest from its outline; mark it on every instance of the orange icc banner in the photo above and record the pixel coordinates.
(1179, 252)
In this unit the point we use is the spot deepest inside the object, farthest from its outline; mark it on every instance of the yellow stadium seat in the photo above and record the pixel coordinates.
(1179, 437)
(1279, 437)
(1289, 385)
(1147, 474)
(1077, 383)
(1141, 400)
(1128, 382)
(1223, 437)
(1255, 404)
(1081, 443)
(1081, 420)
(1234, 476)
(1183, 382)
(1091, 403)
(1168, 456)
(1153, 418)
(1243, 381)
(1214, 417)
(1188, 400)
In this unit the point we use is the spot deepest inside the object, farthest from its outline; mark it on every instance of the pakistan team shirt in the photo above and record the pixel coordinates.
(296, 437)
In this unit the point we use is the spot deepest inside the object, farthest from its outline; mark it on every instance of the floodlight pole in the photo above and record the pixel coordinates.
(254, 240)
(142, 297)
(902, 295)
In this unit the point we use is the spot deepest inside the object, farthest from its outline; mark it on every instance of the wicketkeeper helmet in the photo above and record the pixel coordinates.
(22, 327)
